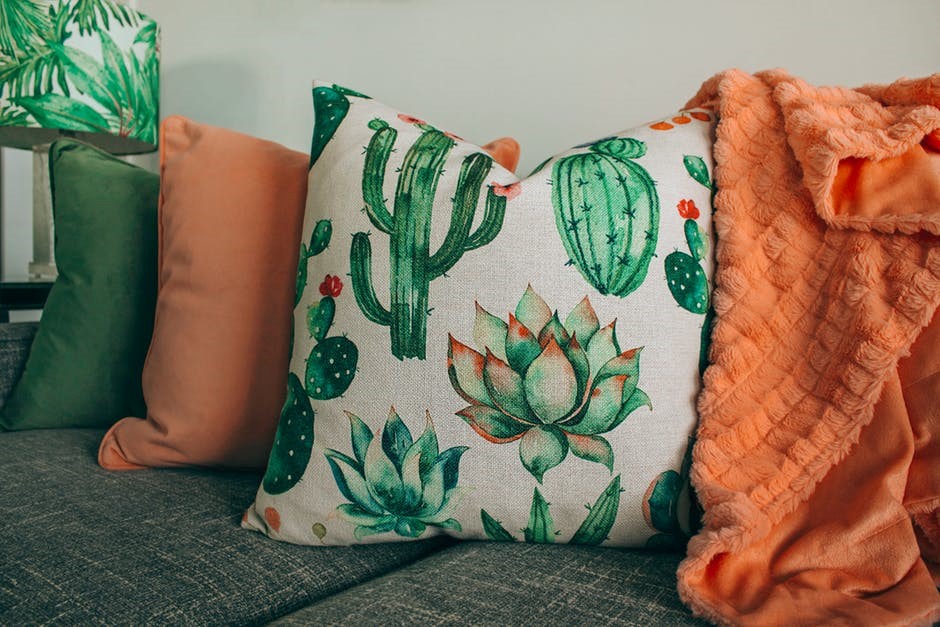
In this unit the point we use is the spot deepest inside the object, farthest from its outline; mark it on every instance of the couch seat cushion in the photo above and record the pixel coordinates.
(490, 583)
(80, 545)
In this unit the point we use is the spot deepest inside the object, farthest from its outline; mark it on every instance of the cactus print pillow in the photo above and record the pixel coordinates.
(488, 357)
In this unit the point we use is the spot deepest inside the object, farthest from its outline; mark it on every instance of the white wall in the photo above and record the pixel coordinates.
(551, 73)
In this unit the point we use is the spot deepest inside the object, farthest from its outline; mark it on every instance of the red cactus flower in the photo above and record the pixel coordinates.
(331, 286)
(688, 210)
(509, 191)
(273, 518)
(456, 138)
(410, 119)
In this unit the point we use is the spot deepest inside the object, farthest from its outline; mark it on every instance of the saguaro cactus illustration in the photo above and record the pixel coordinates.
(607, 213)
(412, 265)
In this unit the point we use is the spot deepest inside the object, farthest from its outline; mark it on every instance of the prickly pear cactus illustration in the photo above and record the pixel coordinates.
(293, 441)
(332, 363)
(661, 507)
(408, 225)
(607, 213)
(330, 107)
(685, 275)
(319, 241)
(541, 529)
(394, 482)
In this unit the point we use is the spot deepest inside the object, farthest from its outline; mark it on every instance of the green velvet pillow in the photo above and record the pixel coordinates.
(85, 363)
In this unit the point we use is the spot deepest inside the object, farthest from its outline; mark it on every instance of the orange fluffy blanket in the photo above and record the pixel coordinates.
(818, 452)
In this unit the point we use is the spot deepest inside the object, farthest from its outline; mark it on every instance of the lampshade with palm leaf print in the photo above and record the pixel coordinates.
(84, 68)
(89, 67)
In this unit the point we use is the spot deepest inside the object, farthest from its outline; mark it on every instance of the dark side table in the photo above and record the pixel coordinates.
(21, 295)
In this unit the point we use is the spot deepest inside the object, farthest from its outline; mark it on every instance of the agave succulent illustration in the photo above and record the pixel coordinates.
(541, 528)
(554, 387)
(396, 483)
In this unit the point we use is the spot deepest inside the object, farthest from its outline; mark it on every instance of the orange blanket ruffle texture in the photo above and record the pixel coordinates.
(818, 453)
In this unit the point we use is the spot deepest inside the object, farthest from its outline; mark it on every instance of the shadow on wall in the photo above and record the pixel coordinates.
(216, 92)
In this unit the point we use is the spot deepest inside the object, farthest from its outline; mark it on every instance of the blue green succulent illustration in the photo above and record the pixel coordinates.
(554, 387)
(607, 213)
(541, 528)
(395, 483)
(408, 224)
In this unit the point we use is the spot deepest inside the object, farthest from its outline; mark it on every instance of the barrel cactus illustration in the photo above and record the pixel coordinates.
(607, 213)
(331, 365)
(662, 503)
(553, 387)
(408, 225)
(319, 241)
(293, 441)
(593, 531)
(395, 483)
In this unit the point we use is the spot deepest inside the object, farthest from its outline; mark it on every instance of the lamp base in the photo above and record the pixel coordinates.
(42, 271)
(42, 267)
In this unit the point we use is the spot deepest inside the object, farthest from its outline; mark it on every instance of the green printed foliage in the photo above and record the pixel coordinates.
(331, 365)
(330, 107)
(412, 264)
(661, 507)
(541, 528)
(395, 483)
(697, 169)
(293, 441)
(28, 65)
(24, 28)
(685, 275)
(607, 213)
(319, 241)
(40, 70)
(553, 387)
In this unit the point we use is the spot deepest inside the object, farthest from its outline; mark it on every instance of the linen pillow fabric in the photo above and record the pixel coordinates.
(85, 363)
(487, 357)
(230, 214)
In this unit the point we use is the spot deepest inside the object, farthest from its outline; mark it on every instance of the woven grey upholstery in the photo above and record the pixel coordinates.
(488, 583)
(15, 340)
(80, 545)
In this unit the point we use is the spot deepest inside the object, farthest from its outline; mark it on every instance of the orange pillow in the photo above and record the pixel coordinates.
(215, 377)
(230, 215)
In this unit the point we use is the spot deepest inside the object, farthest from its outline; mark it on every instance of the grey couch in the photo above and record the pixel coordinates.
(80, 545)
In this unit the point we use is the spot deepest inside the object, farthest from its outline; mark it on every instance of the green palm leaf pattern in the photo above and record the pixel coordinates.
(55, 111)
(24, 27)
(94, 15)
(121, 85)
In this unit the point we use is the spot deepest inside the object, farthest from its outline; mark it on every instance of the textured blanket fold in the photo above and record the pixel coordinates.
(818, 453)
